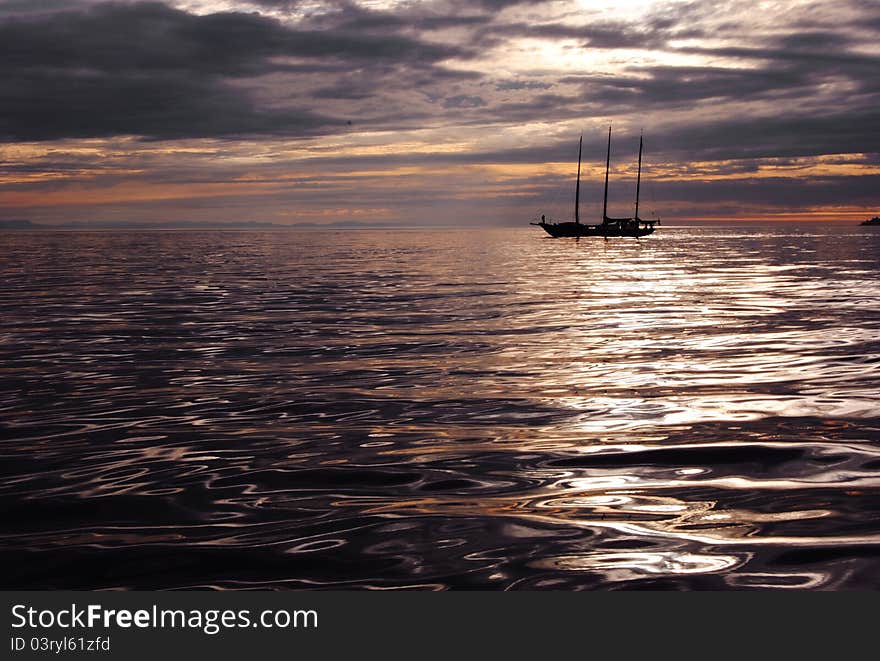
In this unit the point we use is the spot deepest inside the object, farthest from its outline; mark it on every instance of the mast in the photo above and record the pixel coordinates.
(607, 165)
(577, 189)
(638, 179)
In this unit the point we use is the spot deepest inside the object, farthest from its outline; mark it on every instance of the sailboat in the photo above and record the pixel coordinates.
(634, 226)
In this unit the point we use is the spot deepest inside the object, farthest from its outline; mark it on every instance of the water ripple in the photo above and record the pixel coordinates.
(440, 410)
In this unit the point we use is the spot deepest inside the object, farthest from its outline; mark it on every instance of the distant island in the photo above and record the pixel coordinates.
(22, 224)
(874, 221)
(18, 224)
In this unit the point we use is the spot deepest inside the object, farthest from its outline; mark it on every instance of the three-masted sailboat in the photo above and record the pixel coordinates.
(634, 226)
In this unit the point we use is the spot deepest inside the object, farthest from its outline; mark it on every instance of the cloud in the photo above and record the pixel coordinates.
(464, 101)
(151, 70)
(603, 35)
(349, 100)
(521, 85)
(164, 73)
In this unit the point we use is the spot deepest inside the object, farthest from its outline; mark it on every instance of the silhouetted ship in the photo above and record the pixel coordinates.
(874, 221)
(634, 226)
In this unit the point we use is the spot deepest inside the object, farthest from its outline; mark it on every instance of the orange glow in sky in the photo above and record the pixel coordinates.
(429, 112)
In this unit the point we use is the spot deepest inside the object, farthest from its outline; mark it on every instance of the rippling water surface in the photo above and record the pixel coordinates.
(459, 409)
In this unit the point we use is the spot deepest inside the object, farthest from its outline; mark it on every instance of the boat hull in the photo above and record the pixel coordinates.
(561, 230)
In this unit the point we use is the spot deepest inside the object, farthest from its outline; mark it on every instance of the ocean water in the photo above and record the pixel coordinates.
(461, 409)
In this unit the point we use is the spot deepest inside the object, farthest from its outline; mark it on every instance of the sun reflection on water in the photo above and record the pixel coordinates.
(441, 409)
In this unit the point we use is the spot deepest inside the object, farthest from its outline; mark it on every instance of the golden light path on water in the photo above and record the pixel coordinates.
(459, 409)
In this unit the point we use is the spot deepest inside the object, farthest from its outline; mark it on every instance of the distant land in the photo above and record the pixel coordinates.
(23, 224)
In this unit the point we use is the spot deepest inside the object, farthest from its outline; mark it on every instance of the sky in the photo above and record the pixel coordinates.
(443, 112)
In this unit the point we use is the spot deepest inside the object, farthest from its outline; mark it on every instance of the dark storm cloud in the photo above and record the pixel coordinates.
(780, 193)
(785, 76)
(844, 132)
(151, 36)
(787, 68)
(349, 17)
(464, 101)
(46, 106)
(147, 69)
(780, 54)
(351, 90)
(24, 7)
(667, 85)
(504, 85)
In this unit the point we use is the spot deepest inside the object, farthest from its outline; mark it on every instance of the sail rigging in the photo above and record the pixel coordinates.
(577, 188)
(638, 181)
(605, 218)
(607, 166)
(609, 227)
